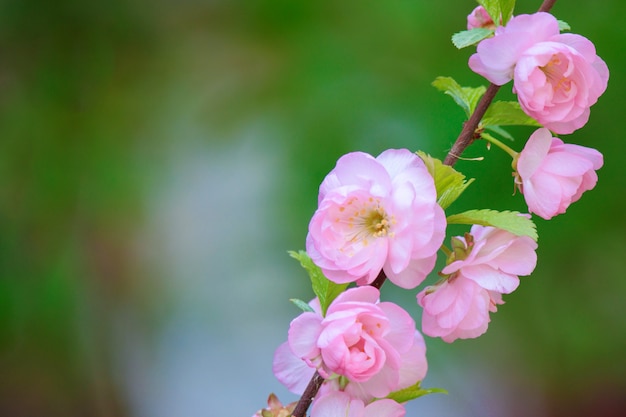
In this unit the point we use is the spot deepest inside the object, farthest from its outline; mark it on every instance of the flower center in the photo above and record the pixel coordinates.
(555, 71)
(364, 219)
(375, 222)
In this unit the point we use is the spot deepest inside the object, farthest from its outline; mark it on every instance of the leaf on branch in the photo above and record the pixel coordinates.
(413, 392)
(325, 290)
(302, 305)
(499, 9)
(470, 37)
(511, 221)
(563, 25)
(449, 182)
(507, 113)
(466, 97)
(498, 130)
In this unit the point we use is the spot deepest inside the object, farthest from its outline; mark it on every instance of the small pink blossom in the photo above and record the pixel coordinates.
(340, 404)
(488, 264)
(377, 213)
(479, 18)
(373, 345)
(456, 309)
(552, 175)
(557, 77)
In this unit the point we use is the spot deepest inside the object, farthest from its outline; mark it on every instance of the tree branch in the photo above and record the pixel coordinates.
(380, 280)
(546, 5)
(467, 135)
(308, 395)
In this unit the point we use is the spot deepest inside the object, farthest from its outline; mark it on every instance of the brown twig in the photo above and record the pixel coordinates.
(380, 280)
(467, 135)
(464, 139)
(308, 395)
(546, 6)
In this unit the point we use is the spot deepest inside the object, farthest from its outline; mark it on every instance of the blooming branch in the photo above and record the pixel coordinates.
(382, 217)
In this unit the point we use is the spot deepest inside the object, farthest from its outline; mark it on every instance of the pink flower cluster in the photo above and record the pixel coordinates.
(486, 265)
(557, 77)
(374, 346)
(551, 174)
(377, 214)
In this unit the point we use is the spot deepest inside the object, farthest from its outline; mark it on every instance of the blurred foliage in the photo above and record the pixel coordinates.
(95, 95)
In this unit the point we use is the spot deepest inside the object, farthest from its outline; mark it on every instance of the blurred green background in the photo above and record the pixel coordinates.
(158, 159)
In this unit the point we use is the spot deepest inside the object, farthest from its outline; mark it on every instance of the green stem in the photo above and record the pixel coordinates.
(499, 144)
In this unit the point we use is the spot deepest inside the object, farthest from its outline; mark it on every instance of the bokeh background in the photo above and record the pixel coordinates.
(158, 159)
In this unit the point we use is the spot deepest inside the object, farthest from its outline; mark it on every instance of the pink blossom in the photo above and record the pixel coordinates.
(486, 264)
(413, 368)
(496, 57)
(552, 175)
(340, 404)
(456, 308)
(373, 345)
(557, 77)
(557, 82)
(377, 213)
(479, 18)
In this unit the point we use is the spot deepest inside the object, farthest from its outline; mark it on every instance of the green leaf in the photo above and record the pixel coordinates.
(507, 113)
(506, 7)
(470, 37)
(563, 25)
(466, 97)
(511, 221)
(413, 392)
(449, 182)
(498, 8)
(302, 305)
(325, 290)
(498, 130)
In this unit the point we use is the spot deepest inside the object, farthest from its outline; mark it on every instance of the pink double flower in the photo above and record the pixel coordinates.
(487, 265)
(373, 345)
(377, 214)
(557, 77)
(552, 175)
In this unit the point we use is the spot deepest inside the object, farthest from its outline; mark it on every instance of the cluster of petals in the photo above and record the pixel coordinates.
(552, 175)
(373, 346)
(459, 307)
(377, 214)
(340, 404)
(479, 18)
(557, 77)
